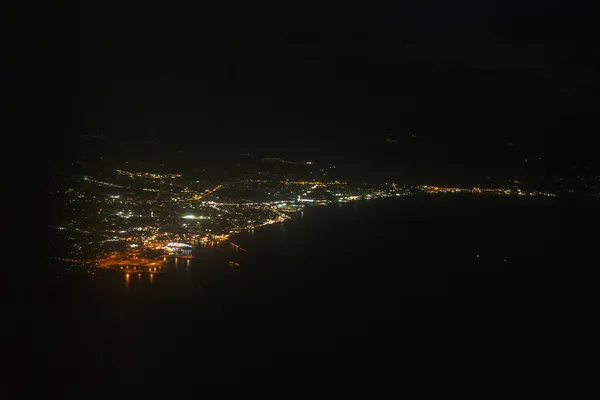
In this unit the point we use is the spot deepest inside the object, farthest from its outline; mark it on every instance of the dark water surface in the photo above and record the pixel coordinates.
(327, 285)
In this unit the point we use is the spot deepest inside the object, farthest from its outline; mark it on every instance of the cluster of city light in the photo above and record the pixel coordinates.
(207, 193)
(88, 179)
(501, 191)
(146, 175)
(131, 262)
(438, 189)
(231, 215)
(160, 241)
(318, 183)
(178, 245)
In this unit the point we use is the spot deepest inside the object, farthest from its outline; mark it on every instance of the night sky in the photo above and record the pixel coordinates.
(468, 78)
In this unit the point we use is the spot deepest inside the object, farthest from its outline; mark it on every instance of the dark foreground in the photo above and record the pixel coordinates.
(337, 289)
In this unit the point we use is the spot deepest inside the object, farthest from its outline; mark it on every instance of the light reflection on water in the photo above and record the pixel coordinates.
(208, 263)
(211, 261)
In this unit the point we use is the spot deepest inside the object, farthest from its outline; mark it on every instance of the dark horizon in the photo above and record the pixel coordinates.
(471, 84)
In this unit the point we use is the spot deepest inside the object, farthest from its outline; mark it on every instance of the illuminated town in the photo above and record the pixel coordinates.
(135, 221)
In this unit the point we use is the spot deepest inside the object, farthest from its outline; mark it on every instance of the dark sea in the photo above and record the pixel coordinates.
(331, 286)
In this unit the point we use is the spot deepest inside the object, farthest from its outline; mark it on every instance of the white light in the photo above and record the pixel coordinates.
(178, 245)
(189, 216)
(133, 245)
